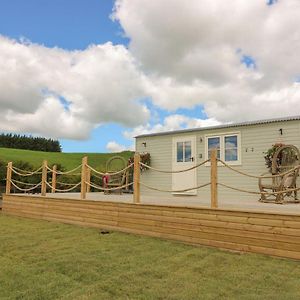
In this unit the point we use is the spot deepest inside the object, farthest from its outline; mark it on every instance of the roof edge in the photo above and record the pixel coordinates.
(226, 125)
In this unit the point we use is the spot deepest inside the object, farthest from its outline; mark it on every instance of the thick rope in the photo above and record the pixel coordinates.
(26, 174)
(174, 191)
(66, 172)
(64, 183)
(65, 190)
(258, 193)
(108, 173)
(21, 182)
(108, 189)
(255, 176)
(74, 174)
(99, 177)
(167, 171)
(25, 190)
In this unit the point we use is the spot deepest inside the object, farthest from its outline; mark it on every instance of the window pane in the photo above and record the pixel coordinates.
(213, 143)
(231, 155)
(179, 151)
(188, 151)
(231, 142)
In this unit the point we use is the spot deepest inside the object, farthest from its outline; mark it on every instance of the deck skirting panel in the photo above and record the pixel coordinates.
(260, 232)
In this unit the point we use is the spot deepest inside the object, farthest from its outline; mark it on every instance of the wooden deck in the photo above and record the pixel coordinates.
(236, 227)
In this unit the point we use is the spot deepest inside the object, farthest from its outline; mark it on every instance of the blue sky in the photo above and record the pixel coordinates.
(75, 24)
(106, 81)
(69, 24)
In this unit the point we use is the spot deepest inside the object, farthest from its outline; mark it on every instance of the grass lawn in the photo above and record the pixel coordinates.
(43, 260)
(68, 160)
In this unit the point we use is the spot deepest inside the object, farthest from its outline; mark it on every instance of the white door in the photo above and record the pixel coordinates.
(184, 157)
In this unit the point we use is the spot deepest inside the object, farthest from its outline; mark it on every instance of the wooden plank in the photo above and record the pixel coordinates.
(73, 212)
(216, 223)
(58, 215)
(214, 236)
(221, 230)
(267, 215)
(230, 228)
(199, 215)
(104, 210)
(84, 214)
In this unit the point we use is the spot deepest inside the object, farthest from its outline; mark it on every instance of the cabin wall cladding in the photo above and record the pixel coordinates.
(255, 140)
(267, 233)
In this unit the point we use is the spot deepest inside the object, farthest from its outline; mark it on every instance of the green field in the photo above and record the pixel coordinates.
(67, 160)
(47, 260)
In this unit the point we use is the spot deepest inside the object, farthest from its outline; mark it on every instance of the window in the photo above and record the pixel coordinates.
(227, 145)
(184, 151)
(231, 148)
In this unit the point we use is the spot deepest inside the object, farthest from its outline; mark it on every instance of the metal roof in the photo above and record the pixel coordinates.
(228, 125)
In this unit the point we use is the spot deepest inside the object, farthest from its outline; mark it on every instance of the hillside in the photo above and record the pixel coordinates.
(67, 160)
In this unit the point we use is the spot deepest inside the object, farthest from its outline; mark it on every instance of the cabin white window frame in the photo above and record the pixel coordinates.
(222, 137)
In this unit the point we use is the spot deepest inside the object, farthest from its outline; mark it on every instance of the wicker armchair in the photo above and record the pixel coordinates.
(285, 159)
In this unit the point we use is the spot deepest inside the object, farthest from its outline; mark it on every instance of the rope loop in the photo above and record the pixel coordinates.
(258, 177)
(65, 190)
(175, 191)
(96, 186)
(25, 190)
(111, 174)
(66, 172)
(24, 173)
(258, 193)
(180, 171)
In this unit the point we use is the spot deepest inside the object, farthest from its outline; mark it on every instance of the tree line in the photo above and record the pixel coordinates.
(29, 143)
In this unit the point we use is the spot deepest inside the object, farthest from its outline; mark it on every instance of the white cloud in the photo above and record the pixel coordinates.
(170, 123)
(181, 54)
(113, 146)
(191, 52)
(100, 84)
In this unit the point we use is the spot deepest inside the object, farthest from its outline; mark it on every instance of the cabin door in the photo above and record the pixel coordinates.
(184, 157)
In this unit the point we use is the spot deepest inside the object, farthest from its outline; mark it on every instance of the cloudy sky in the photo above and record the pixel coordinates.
(96, 73)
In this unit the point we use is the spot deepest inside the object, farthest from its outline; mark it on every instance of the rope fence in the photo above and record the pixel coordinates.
(98, 187)
(175, 191)
(25, 173)
(25, 190)
(110, 173)
(261, 176)
(64, 190)
(178, 171)
(66, 172)
(89, 175)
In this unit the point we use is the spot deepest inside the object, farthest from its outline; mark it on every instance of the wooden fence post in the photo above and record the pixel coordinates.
(54, 179)
(136, 178)
(8, 178)
(44, 178)
(83, 177)
(88, 179)
(213, 179)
